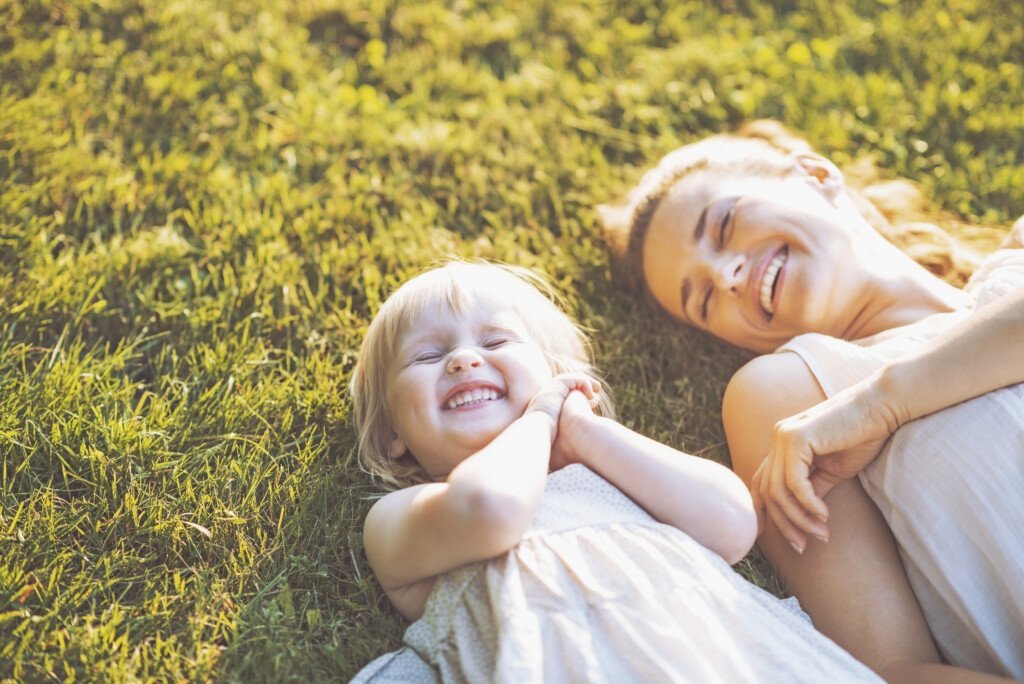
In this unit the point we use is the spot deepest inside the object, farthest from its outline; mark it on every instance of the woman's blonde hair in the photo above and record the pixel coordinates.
(895, 208)
(454, 287)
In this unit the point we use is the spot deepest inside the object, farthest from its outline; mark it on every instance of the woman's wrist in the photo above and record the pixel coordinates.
(885, 393)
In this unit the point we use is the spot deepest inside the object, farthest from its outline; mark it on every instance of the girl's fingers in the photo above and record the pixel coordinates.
(578, 381)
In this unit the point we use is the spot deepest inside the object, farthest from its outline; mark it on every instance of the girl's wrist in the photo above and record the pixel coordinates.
(580, 434)
(541, 416)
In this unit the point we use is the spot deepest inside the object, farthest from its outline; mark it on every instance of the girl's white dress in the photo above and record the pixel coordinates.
(951, 487)
(598, 591)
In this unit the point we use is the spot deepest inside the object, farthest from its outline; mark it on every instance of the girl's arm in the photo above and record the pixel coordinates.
(813, 450)
(700, 497)
(481, 510)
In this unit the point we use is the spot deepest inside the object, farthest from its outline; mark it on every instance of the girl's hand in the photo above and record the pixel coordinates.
(572, 424)
(551, 397)
(811, 453)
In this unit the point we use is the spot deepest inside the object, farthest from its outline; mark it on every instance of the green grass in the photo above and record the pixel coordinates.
(202, 205)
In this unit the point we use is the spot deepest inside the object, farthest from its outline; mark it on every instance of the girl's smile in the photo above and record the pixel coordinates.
(471, 395)
(460, 378)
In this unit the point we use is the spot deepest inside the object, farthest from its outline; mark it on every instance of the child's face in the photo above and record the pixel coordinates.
(458, 380)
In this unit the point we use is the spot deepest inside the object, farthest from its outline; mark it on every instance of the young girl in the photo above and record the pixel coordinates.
(534, 538)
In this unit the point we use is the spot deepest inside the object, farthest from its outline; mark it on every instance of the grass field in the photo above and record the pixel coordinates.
(203, 203)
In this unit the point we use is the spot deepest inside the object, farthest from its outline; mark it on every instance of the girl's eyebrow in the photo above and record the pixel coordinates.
(413, 338)
(497, 327)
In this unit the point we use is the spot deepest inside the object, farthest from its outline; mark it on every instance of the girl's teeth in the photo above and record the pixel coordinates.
(768, 282)
(472, 396)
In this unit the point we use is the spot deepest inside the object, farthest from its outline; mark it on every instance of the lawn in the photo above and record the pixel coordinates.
(203, 203)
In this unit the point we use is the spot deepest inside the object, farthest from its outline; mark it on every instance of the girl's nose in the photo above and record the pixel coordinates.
(727, 274)
(464, 359)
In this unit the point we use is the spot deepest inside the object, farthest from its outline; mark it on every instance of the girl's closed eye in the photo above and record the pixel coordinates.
(495, 342)
(431, 356)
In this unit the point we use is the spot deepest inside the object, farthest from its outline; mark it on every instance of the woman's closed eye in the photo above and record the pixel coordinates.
(726, 222)
(705, 303)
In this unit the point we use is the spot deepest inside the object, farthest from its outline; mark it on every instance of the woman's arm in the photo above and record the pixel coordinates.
(481, 510)
(698, 496)
(854, 587)
(834, 440)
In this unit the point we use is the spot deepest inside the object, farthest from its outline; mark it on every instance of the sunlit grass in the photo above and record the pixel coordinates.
(202, 205)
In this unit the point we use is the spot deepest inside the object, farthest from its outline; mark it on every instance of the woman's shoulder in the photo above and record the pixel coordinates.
(1015, 238)
(761, 393)
(835, 363)
(1001, 272)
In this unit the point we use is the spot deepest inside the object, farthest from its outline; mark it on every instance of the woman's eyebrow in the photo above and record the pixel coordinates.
(685, 295)
(698, 232)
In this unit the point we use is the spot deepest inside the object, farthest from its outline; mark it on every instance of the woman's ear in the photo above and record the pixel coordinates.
(397, 449)
(615, 219)
(828, 176)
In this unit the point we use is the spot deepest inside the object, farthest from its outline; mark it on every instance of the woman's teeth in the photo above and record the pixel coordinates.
(768, 282)
(472, 397)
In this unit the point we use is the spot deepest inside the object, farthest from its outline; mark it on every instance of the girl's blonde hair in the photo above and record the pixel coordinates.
(895, 208)
(454, 287)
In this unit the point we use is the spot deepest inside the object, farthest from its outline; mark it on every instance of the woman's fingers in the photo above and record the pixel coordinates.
(755, 495)
(788, 531)
(782, 496)
(798, 482)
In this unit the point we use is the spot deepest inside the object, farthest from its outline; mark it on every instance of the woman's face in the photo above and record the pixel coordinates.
(756, 261)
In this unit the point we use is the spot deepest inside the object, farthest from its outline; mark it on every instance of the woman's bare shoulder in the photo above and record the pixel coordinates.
(1015, 238)
(773, 376)
(760, 394)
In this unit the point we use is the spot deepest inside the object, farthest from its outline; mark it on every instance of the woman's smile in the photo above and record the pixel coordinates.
(770, 284)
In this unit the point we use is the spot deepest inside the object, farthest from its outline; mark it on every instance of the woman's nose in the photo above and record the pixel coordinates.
(727, 273)
(464, 359)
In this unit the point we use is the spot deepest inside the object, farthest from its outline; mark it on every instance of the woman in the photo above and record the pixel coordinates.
(757, 240)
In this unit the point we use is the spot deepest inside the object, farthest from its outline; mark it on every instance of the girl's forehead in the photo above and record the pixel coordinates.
(475, 308)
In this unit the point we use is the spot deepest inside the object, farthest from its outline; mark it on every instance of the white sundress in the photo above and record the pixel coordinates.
(598, 591)
(951, 487)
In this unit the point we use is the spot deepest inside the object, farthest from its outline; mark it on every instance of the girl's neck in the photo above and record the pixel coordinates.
(903, 292)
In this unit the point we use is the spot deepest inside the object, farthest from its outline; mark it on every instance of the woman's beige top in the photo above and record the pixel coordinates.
(951, 487)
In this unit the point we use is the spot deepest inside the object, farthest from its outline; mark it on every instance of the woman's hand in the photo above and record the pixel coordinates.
(551, 398)
(812, 452)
